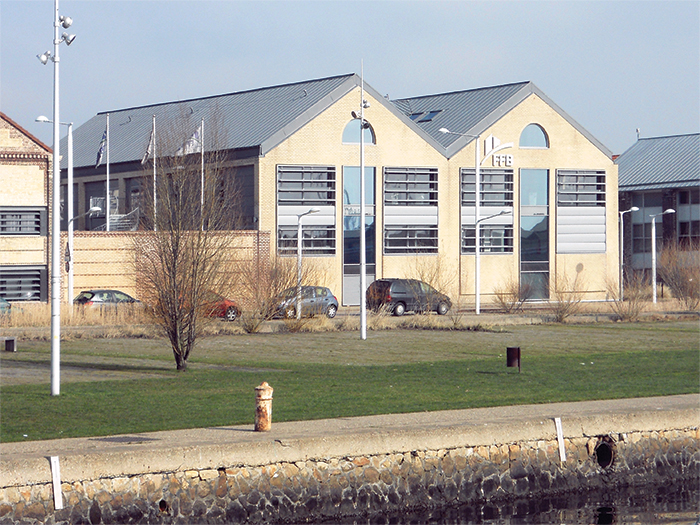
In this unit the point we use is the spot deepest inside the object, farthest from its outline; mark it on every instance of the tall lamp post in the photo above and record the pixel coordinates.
(477, 208)
(653, 249)
(65, 22)
(622, 251)
(69, 199)
(299, 243)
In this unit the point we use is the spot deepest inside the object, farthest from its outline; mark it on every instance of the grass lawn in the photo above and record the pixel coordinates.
(114, 386)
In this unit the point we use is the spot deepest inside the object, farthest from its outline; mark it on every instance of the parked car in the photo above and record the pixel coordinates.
(103, 298)
(406, 295)
(5, 307)
(220, 306)
(315, 300)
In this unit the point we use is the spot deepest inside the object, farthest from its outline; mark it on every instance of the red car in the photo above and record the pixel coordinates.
(221, 307)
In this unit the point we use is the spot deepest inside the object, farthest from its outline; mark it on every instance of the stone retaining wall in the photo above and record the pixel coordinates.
(315, 489)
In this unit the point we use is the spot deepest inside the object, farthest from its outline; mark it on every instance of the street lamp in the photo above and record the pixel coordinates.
(312, 210)
(65, 22)
(477, 207)
(622, 251)
(69, 198)
(363, 240)
(653, 250)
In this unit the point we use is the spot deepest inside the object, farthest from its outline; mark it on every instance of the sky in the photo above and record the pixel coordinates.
(614, 66)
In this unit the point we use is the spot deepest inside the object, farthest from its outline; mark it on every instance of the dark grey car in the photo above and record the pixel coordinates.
(315, 300)
(404, 295)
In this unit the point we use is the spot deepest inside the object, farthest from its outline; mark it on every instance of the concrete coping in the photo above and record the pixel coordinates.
(27, 463)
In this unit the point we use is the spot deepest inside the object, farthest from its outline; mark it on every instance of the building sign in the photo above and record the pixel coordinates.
(502, 160)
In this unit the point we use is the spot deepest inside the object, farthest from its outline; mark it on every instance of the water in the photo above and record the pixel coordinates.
(675, 503)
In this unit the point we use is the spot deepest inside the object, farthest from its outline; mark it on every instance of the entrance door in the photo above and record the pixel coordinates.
(534, 233)
(351, 232)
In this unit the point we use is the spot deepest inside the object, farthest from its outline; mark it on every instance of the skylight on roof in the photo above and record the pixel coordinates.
(430, 116)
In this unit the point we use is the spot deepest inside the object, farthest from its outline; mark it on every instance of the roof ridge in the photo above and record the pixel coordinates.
(184, 101)
(523, 83)
(678, 135)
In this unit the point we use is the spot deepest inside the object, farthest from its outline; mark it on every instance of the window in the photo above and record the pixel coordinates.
(580, 188)
(534, 136)
(410, 186)
(496, 187)
(23, 221)
(641, 237)
(689, 233)
(410, 239)
(351, 133)
(492, 239)
(24, 283)
(316, 240)
(306, 186)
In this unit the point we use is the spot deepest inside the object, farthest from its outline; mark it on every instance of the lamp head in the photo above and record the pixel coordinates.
(42, 118)
(66, 21)
(444, 130)
(44, 57)
(670, 210)
(634, 208)
(354, 115)
(94, 209)
(68, 39)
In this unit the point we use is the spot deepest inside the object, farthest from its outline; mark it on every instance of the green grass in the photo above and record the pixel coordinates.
(324, 375)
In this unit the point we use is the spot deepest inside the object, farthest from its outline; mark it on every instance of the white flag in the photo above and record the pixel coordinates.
(149, 149)
(193, 144)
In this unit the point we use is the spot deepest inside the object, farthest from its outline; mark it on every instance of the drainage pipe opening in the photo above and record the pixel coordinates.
(605, 452)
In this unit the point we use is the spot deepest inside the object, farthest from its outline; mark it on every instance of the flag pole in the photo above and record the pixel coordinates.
(155, 195)
(107, 199)
(201, 205)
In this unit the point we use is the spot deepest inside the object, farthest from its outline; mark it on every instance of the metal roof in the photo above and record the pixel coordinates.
(473, 111)
(263, 118)
(256, 118)
(660, 162)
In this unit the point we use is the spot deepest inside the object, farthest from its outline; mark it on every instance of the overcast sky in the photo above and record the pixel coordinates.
(612, 66)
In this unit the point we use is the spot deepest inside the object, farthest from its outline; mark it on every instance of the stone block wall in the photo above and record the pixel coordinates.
(331, 488)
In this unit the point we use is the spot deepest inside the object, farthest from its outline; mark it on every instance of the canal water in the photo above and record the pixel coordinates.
(676, 503)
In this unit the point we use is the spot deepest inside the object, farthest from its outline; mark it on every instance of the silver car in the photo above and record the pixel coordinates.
(315, 300)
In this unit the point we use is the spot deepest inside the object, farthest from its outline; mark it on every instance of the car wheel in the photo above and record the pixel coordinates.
(442, 308)
(231, 314)
(331, 311)
(290, 313)
(399, 309)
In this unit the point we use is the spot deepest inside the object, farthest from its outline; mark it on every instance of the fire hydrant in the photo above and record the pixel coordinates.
(263, 407)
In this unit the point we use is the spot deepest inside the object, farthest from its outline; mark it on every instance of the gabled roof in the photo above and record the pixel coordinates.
(259, 119)
(473, 111)
(660, 162)
(31, 137)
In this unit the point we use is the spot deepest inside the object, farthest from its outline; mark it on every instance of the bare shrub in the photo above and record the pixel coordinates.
(456, 313)
(260, 286)
(680, 270)
(511, 295)
(565, 296)
(635, 298)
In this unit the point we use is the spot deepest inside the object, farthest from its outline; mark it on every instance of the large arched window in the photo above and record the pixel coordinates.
(534, 136)
(351, 133)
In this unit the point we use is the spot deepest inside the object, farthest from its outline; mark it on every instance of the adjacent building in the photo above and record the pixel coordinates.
(545, 200)
(658, 174)
(25, 214)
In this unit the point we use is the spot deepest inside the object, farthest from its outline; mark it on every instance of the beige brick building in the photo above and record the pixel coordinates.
(25, 164)
(545, 203)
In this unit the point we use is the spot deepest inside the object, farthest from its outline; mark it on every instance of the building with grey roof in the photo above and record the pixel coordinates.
(544, 204)
(658, 174)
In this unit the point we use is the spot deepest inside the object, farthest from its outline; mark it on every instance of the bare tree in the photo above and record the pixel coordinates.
(186, 255)
(679, 268)
(636, 297)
